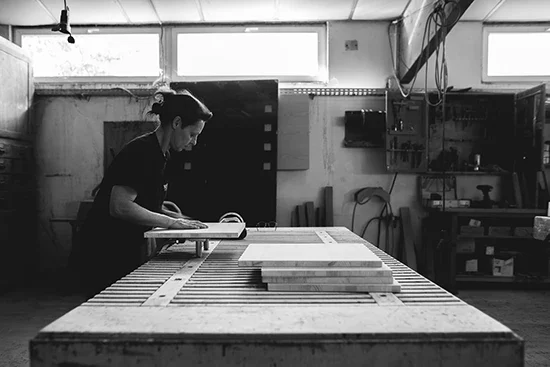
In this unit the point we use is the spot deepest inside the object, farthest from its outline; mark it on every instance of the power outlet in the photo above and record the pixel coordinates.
(351, 45)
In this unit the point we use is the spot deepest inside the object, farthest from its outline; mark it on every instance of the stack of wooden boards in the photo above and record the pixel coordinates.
(307, 215)
(339, 267)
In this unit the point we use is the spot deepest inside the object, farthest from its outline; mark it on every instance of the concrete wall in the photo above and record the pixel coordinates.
(70, 139)
(69, 153)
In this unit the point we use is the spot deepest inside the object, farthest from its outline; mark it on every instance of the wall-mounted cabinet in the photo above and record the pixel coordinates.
(18, 250)
(472, 132)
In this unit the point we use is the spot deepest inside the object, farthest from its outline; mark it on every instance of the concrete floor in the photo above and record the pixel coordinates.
(25, 311)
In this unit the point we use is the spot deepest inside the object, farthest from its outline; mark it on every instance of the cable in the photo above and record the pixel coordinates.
(379, 217)
(353, 216)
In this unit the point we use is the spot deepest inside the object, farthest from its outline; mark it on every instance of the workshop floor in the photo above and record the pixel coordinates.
(25, 311)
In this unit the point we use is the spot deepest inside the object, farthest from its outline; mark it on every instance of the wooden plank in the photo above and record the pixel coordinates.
(408, 238)
(325, 237)
(383, 271)
(293, 132)
(293, 218)
(395, 287)
(329, 215)
(386, 299)
(518, 196)
(318, 217)
(302, 220)
(309, 255)
(214, 230)
(165, 293)
(413, 51)
(310, 214)
(328, 280)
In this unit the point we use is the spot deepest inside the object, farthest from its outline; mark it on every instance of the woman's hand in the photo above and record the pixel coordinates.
(182, 223)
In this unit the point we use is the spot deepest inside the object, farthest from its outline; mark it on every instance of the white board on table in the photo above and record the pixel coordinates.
(309, 255)
(328, 280)
(394, 288)
(383, 271)
(214, 230)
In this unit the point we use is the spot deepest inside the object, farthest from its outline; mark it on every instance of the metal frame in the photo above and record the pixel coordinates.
(320, 29)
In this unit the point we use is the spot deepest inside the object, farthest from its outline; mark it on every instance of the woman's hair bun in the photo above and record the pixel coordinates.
(156, 108)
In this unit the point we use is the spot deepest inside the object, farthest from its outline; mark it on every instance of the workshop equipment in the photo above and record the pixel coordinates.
(387, 217)
(486, 202)
(180, 310)
(200, 236)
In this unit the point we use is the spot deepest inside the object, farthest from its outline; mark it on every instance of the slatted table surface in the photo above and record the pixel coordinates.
(210, 311)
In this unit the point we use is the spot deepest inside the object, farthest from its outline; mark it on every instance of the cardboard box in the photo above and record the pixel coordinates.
(471, 265)
(500, 231)
(478, 231)
(465, 246)
(430, 203)
(503, 268)
(523, 231)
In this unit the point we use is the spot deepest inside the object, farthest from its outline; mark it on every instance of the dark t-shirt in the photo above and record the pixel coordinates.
(112, 247)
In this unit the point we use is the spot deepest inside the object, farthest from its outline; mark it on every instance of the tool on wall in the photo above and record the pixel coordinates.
(64, 26)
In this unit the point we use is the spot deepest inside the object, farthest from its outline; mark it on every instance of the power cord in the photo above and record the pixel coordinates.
(439, 18)
(386, 213)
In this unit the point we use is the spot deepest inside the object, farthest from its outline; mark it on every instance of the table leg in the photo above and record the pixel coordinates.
(206, 245)
(198, 248)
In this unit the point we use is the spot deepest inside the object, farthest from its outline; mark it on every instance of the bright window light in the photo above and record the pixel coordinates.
(294, 55)
(516, 54)
(93, 55)
(519, 54)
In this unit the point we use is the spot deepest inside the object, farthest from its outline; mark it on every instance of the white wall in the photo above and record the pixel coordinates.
(370, 65)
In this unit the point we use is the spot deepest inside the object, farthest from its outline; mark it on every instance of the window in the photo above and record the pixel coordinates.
(97, 54)
(516, 54)
(287, 53)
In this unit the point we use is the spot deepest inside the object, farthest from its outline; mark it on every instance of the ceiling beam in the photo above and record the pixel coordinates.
(413, 50)
(353, 8)
(155, 11)
(494, 10)
(45, 8)
(199, 9)
(123, 11)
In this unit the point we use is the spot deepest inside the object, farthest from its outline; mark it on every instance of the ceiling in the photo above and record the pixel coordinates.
(135, 12)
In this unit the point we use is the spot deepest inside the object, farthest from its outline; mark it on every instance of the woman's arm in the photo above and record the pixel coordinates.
(170, 209)
(123, 206)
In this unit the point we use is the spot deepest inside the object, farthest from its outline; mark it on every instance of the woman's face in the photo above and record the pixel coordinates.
(186, 137)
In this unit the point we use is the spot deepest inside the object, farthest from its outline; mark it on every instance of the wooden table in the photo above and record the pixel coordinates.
(178, 310)
(201, 237)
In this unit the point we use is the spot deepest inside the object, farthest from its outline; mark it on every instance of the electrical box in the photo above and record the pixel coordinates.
(364, 128)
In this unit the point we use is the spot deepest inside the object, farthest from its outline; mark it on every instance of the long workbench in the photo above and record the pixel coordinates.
(183, 310)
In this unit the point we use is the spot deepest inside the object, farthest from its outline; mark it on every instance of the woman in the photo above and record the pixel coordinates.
(130, 198)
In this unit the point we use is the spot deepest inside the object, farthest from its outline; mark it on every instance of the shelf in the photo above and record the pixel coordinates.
(478, 212)
(469, 173)
(499, 279)
(461, 237)
(403, 133)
